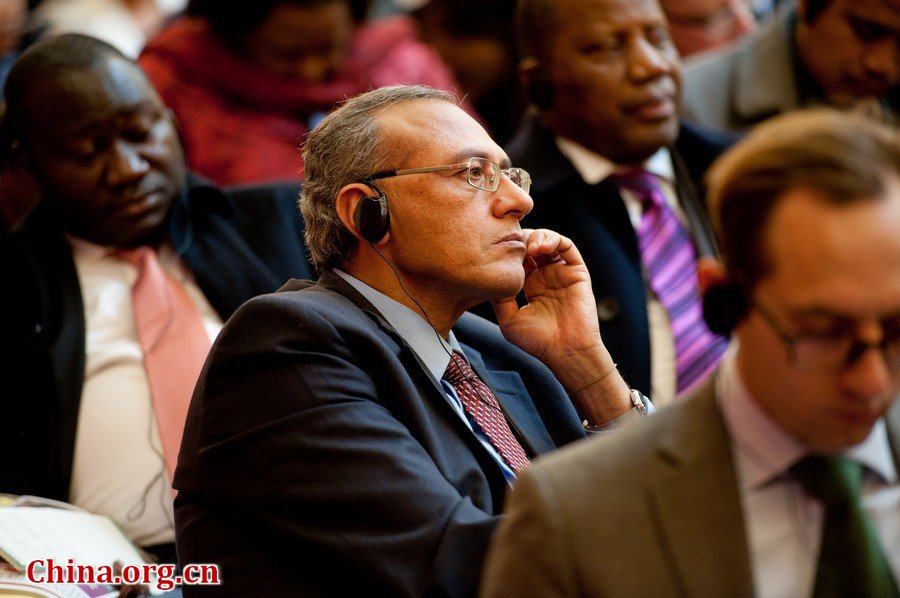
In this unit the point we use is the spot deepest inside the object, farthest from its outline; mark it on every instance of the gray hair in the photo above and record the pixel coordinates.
(345, 147)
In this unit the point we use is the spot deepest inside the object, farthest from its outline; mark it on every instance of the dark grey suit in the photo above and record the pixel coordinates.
(320, 457)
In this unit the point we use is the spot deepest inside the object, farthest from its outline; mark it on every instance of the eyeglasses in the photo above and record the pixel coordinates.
(480, 173)
(831, 352)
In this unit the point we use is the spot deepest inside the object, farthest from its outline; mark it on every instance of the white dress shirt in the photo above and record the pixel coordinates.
(118, 468)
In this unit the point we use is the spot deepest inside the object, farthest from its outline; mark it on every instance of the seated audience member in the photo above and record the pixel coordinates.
(481, 52)
(614, 171)
(248, 80)
(357, 435)
(95, 399)
(843, 53)
(701, 25)
(779, 476)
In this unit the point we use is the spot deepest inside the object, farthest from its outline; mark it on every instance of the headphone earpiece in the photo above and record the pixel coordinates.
(371, 216)
(724, 305)
(539, 87)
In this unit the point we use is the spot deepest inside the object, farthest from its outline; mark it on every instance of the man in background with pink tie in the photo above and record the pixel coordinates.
(115, 285)
(615, 171)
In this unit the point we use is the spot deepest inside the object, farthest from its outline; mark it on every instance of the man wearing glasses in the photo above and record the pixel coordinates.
(779, 476)
(358, 435)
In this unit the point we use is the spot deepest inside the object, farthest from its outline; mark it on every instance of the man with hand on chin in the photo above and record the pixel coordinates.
(361, 432)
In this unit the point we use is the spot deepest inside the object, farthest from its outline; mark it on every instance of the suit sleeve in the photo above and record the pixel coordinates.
(290, 434)
(529, 555)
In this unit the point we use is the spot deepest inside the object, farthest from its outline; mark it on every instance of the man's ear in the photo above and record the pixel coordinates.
(536, 82)
(347, 204)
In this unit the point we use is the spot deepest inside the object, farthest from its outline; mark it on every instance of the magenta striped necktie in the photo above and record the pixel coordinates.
(482, 406)
(671, 265)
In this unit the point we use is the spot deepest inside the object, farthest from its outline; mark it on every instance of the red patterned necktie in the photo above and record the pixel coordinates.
(174, 343)
(671, 265)
(482, 406)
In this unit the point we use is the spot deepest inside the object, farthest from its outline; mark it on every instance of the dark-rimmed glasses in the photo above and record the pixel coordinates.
(831, 352)
(481, 173)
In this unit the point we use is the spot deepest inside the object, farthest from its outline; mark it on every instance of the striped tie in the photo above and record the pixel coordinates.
(174, 343)
(483, 408)
(671, 266)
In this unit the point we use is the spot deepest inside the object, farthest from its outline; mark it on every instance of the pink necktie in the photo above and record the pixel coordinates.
(174, 342)
(481, 404)
(671, 265)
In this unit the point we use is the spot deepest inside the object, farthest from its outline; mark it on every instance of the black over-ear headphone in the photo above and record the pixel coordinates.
(724, 305)
(371, 215)
(539, 87)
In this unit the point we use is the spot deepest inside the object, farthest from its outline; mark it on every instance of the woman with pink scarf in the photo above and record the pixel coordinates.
(247, 80)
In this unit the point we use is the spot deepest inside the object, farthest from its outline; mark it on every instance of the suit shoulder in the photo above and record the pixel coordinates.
(301, 302)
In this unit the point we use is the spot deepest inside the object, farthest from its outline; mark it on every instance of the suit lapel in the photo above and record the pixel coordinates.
(695, 492)
(434, 393)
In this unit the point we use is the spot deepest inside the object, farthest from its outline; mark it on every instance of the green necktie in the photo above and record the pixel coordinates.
(851, 560)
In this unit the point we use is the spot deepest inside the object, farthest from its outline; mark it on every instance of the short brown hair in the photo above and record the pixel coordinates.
(842, 156)
(344, 148)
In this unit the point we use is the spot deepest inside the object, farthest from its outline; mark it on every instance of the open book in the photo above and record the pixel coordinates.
(57, 534)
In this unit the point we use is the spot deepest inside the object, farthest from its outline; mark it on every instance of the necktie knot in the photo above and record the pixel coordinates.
(484, 410)
(644, 184)
(136, 256)
(852, 561)
(833, 480)
(458, 370)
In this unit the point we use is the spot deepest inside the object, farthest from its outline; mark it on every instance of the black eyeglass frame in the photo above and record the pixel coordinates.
(854, 349)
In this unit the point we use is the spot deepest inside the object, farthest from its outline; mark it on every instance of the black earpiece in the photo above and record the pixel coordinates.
(371, 216)
(539, 87)
(724, 305)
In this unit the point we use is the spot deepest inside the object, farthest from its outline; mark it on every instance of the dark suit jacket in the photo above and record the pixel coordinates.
(320, 458)
(238, 244)
(652, 510)
(595, 218)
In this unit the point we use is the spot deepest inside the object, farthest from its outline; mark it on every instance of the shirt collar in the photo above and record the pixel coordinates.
(594, 168)
(433, 350)
(764, 451)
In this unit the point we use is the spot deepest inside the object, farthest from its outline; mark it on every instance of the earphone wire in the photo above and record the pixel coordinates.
(442, 343)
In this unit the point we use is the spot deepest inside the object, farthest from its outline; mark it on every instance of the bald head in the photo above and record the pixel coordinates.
(49, 60)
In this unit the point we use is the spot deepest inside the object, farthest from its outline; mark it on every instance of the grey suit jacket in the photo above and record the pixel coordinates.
(744, 84)
(652, 510)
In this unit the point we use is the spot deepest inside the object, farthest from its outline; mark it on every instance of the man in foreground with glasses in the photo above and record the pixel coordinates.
(752, 485)
(358, 435)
